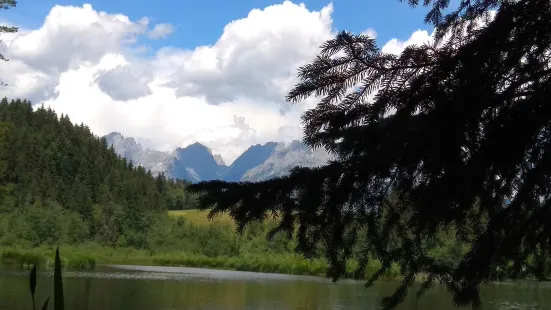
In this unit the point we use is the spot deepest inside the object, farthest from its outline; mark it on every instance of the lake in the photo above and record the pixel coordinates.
(174, 288)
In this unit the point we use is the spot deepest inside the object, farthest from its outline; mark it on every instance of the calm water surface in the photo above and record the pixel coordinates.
(169, 288)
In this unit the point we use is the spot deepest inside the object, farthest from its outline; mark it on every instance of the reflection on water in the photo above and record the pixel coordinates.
(173, 288)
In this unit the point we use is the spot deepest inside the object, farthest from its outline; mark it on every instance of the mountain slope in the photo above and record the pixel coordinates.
(196, 163)
(252, 157)
(128, 148)
(284, 158)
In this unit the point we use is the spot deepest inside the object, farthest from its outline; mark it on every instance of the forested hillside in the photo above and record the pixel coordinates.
(61, 184)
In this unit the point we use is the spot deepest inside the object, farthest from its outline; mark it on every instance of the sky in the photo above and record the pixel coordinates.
(173, 73)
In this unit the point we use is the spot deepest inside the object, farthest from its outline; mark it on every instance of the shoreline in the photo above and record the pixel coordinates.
(88, 258)
(78, 259)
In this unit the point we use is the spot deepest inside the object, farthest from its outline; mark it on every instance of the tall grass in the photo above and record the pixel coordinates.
(88, 256)
(59, 300)
(289, 264)
(200, 217)
(27, 258)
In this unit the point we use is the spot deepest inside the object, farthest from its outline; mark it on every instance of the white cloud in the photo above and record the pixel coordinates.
(227, 95)
(123, 83)
(160, 31)
(418, 37)
(71, 37)
(256, 57)
(370, 32)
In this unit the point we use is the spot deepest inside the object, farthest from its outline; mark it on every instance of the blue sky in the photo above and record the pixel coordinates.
(200, 22)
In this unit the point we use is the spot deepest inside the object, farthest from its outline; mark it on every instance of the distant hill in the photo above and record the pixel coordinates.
(196, 162)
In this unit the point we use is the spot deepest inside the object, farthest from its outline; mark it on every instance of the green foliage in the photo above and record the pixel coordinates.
(60, 184)
(457, 138)
(23, 258)
(188, 240)
(40, 257)
(177, 196)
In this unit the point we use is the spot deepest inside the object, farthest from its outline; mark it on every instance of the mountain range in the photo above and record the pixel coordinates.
(196, 162)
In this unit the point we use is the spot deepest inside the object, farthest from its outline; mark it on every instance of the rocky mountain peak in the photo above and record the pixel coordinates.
(196, 162)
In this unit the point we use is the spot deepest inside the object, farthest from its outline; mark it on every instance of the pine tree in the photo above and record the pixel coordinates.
(458, 135)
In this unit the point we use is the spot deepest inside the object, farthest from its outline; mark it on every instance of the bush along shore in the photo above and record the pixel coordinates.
(183, 238)
(188, 239)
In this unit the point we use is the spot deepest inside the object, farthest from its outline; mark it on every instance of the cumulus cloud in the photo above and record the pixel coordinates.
(121, 84)
(256, 57)
(418, 37)
(75, 36)
(227, 95)
(71, 37)
(370, 32)
(160, 31)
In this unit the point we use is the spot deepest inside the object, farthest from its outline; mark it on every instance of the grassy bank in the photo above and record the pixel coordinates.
(287, 264)
(87, 257)
(44, 258)
(188, 238)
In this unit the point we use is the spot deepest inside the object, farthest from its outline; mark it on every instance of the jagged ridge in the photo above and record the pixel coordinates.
(196, 162)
